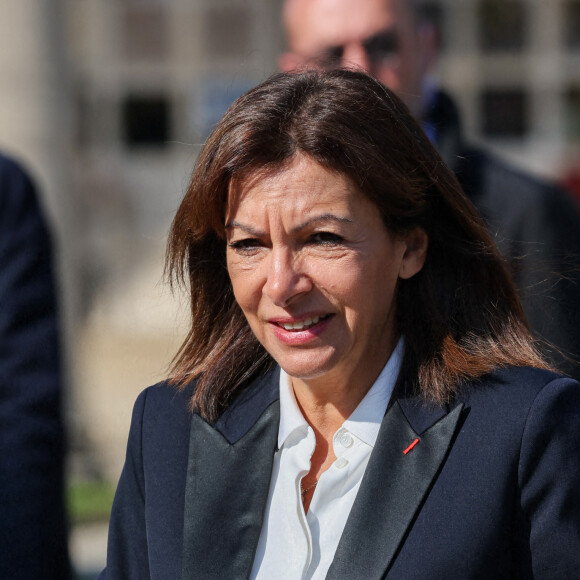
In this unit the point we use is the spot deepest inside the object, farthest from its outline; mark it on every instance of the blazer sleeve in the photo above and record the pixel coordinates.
(32, 524)
(127, 544)
(549, 480)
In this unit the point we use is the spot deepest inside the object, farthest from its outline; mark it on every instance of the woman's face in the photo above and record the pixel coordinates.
(315, 271)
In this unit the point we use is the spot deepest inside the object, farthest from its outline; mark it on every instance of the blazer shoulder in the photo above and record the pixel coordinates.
(515, 389)
(146, 524)
(160, 425)
(163, 407)
(166, 393)
(532, 377)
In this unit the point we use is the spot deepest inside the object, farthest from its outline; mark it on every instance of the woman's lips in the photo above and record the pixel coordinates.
(300, 331)
(302, 324)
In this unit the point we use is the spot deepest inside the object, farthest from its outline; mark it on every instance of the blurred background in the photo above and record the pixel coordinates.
(106, 102)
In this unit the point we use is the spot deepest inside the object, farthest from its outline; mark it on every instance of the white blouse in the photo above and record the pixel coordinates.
(294, 545)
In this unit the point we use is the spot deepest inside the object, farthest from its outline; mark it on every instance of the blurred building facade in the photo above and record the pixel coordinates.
(148, 79)
(515, 67)
(108, 100)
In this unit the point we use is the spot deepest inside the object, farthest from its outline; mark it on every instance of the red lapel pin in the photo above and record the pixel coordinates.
(411, 446)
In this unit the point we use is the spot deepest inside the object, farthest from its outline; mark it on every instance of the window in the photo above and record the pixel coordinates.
(145, 32)
(227, 32)
(82, 136)
(145, 121)
(572, 24)
(504, 113)
(502, 25)
(212, 96)
(572, 112)
(95, 118)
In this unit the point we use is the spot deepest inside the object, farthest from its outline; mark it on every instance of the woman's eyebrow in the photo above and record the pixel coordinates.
(248, 229)
(319, 219)
(322, 219)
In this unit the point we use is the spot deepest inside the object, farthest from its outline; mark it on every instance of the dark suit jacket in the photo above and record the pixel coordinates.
(492, 490)
(33, 542)
(536, 227)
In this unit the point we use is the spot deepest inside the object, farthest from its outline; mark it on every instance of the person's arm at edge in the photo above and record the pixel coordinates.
(33, 529)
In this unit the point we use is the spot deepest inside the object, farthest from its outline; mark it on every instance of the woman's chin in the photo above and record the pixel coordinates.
(308, 366)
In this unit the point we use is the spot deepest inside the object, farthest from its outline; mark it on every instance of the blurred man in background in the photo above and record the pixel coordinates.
(535, 225)
(33, 538)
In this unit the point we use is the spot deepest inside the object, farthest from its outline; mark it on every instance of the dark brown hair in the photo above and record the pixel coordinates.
(460, 314)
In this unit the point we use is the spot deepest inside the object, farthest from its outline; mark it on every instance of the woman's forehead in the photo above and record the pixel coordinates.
(299, 167)
(299, 175)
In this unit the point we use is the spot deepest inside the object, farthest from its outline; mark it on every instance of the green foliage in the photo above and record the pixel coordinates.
(89, 501)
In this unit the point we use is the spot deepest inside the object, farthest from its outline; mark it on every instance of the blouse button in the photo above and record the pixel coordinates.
(346, 440)
(341, 462)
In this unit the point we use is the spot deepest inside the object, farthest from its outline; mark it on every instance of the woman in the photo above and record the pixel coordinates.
(359, 396)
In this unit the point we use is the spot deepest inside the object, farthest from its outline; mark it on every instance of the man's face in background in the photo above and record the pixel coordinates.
(380, 36)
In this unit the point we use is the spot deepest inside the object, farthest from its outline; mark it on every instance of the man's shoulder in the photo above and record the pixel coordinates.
(516, 204)
(508, 183)
(500, 189)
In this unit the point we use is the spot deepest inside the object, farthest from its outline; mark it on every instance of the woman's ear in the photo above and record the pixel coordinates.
(417, 243)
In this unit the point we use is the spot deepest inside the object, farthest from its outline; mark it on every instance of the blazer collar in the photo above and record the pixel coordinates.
(412, 445)
(247, 408)
(228, 477)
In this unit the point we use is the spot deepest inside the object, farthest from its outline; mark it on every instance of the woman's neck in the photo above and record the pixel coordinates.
(326, 410)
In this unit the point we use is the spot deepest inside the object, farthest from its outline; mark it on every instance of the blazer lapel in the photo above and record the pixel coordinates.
(393, 488)
(228, 477)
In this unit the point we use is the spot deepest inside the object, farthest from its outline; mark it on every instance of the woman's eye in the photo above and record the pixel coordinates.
(245, 245)
(326, 238)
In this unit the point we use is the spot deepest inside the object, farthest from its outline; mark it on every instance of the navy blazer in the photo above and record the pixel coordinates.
(492, 489)
(33, 535)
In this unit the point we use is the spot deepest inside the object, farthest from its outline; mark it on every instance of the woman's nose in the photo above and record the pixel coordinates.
(285, 278)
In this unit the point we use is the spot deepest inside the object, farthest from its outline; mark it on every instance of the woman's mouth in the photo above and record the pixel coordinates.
(303, 324)
(300, 332)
